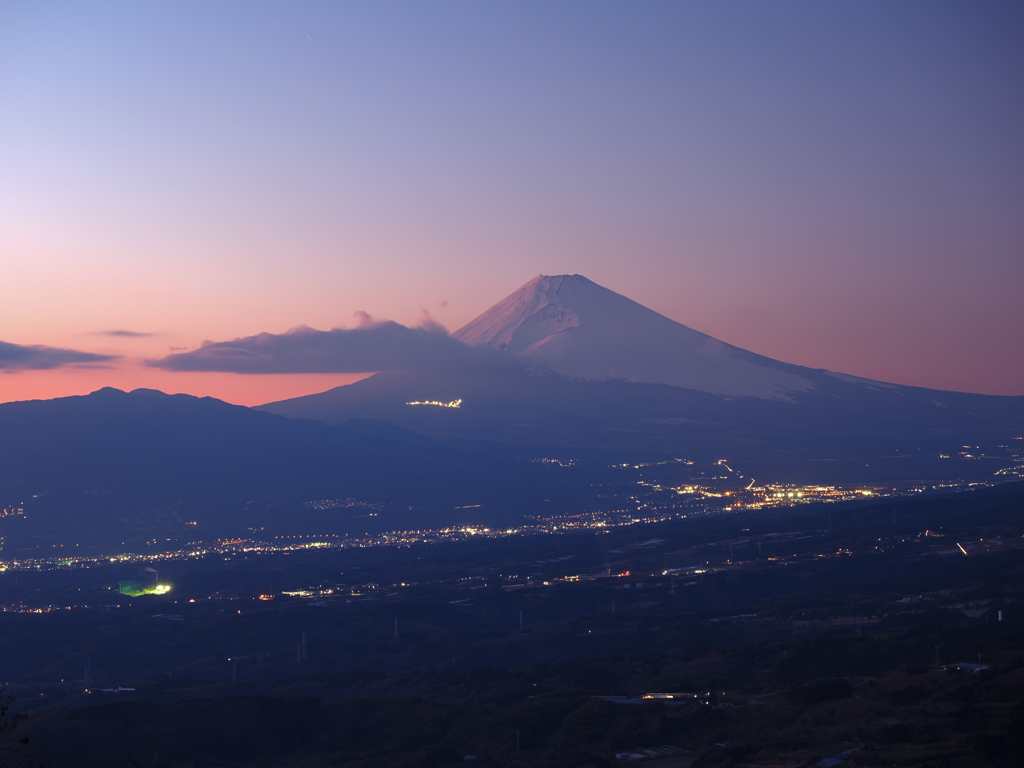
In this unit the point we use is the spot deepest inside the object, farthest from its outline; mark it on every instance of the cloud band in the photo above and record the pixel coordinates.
(375, 346)
(16, 357)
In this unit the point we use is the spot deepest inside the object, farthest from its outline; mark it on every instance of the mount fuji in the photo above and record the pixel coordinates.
(583, 367)
(577, 328)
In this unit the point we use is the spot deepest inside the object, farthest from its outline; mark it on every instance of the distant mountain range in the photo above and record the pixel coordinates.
(581, 372)
(118, 465)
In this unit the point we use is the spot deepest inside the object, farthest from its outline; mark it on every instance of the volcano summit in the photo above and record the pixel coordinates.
(577, 328)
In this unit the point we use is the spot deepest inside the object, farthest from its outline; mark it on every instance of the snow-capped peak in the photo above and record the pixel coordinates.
(580, 329)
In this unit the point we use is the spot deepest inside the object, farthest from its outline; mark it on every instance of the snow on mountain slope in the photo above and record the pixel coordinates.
(577, 328)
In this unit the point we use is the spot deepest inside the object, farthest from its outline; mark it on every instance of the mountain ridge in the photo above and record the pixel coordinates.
(115, 464)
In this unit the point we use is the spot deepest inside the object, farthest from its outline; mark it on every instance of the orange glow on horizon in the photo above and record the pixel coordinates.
(239, 389)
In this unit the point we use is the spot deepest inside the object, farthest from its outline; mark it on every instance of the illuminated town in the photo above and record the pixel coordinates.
(629, 495)
(721, 490)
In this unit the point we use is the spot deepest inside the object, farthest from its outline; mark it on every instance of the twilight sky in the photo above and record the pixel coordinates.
(838, 185)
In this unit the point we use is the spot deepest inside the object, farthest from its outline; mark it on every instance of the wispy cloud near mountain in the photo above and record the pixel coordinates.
(125, 334)
(16, 357)
(373, 346)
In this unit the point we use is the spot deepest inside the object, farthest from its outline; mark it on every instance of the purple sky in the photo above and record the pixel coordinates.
(838, 185)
